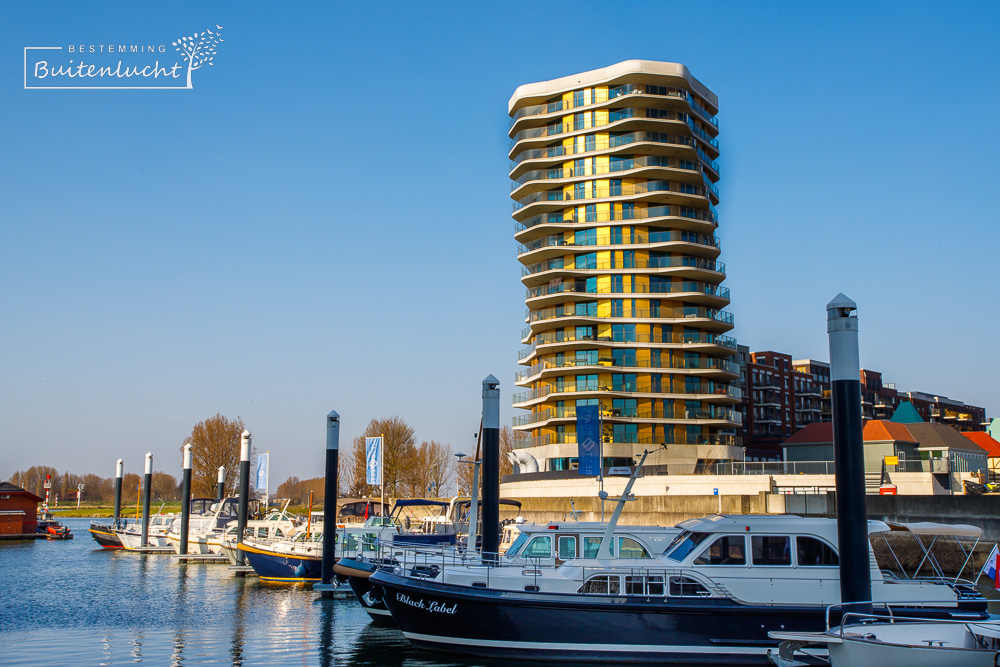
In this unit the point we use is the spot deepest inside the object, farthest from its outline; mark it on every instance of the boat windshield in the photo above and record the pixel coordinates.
(516, 546)
(683, 544)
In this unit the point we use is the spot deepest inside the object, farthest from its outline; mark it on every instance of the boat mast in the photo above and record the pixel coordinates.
(604, 552)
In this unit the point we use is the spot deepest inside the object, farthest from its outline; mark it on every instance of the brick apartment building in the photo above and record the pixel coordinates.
(782, 395)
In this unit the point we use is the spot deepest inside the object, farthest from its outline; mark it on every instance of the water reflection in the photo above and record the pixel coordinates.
(239, 621)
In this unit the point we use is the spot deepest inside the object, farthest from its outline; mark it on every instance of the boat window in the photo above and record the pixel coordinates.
(591, 545)
(629, 548)
(771, 549)
(567, 546)
(602, 584)
(518, 543)
(686, 587)
(636, 584)
(262, 532)
(812, 552)
(725, 550)
(685, 545)
(539, 547)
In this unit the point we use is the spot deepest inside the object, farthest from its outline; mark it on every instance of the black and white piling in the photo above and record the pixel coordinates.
(185, 499)
(491, 469)
(119, 472)
(220, 491)
(848, 447)
(330, 500)
(244, 506)
(147, 490)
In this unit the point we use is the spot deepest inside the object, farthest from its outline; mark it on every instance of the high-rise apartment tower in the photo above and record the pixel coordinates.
(613, 176)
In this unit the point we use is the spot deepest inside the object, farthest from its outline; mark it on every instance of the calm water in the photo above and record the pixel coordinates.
(73, 603)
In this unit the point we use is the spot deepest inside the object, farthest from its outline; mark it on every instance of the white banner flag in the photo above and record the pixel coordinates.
(373, 460)
(262, 472)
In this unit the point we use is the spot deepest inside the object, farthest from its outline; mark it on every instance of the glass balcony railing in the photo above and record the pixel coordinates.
(670, 439)
(609, 362)
(663, 313)
(639, 386)
(589, 144)
(708, 162)
(650, 263)
(608, 239)
(599, 97)
(611, 168)
(613, 116)
(619, 213)
(619, 190)
(686, 287)
(704, 412)
(665, 338)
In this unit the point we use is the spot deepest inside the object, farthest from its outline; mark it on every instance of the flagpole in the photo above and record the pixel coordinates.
(381, 476)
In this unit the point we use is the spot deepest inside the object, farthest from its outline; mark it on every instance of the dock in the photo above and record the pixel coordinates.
(242, 570)
(334, 591)
(152, 550)
(201, 558)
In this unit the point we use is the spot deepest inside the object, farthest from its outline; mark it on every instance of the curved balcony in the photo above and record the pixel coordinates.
(663, 313)
(594, 144)
(599, 97)
(709, 412)
(617, 120)
(697, 264)
(641, 213)
(695, 291)
(670, 439)
(608, 363)
(539, 176)
(568, 341)
(620, 190)
(637, 239)
(643, 387)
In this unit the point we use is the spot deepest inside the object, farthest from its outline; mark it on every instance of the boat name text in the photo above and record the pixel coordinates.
(434, 607)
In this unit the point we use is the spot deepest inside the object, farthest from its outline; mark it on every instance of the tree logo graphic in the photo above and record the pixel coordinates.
(199, 49)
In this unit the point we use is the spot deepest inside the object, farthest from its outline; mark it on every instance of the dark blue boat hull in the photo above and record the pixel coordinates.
(275, 566)
(509, 624)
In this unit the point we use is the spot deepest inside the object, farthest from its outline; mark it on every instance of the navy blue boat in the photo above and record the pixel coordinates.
(286, 561)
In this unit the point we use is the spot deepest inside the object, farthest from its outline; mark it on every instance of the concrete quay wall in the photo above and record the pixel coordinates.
(668, 510)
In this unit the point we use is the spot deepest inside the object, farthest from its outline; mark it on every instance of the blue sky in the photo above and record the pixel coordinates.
(323, 221)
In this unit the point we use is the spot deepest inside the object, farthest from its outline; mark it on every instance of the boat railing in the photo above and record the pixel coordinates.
(885, 613)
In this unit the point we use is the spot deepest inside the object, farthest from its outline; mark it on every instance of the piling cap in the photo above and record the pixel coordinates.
(333, 430)
(245, 446)
(187, 456)
(119, 468)
(149, 463)
(491, 402)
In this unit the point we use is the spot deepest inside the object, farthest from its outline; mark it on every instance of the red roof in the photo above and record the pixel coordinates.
(875, 430)
(881, 430)
(984, 440)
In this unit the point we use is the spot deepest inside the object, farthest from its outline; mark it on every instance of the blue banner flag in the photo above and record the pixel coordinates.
(588, 438)
(373, 460)
(262, 472)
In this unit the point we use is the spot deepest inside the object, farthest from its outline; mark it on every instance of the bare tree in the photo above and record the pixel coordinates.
(398, 451)
(215, 442)
(431, 469)
(198, 49)
(165, 487)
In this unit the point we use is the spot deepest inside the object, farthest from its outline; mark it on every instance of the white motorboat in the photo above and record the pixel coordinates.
(884, 640)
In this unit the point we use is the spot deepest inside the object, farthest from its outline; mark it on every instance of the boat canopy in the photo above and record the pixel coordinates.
(931, 528)
(414, 502)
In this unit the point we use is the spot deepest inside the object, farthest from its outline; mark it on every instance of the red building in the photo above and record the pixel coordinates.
(18, 510)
